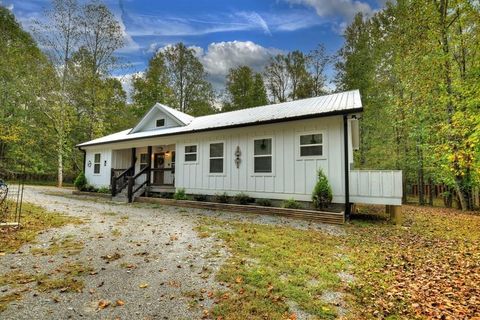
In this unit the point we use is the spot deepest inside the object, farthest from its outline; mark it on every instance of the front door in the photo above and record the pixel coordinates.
(158, 163)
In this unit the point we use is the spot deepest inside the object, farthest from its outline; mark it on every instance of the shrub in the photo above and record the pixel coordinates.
(180, 194)
(200, 197)
(103, 190)
(263, 202)
(243, 198)
(322, 193)
(291, 204)
(221, 197)
(80, 181)
(89, 188)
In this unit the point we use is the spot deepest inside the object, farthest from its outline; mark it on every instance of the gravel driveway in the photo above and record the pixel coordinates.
(148, 256)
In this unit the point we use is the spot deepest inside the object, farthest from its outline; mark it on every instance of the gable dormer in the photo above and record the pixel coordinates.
(162, 117)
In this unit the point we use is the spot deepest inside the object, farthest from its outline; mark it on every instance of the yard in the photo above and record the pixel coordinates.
(96, 259)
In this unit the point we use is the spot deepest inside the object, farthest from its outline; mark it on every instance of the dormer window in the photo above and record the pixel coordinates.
(160, 123)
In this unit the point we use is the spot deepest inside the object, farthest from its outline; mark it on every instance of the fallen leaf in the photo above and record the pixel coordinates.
(119, 303)
(143, 285)
(102, 304)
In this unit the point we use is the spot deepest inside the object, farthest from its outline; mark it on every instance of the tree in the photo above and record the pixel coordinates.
(317, 61)
(296, 75)
(277, 78)
(245, 89)
(153, 86)
(60, 34)
(193, 94)
(24, 87)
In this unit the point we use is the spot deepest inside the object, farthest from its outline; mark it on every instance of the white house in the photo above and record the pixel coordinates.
(271, 152)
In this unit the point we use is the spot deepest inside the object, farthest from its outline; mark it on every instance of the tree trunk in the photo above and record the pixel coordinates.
(60, 161)
(420, 176)
(430, 192)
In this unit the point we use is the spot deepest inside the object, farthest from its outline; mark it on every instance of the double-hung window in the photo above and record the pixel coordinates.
(143, 160)
(96, 163)
(216, 157)
(311, 145)
(191, 153)
(262, 155)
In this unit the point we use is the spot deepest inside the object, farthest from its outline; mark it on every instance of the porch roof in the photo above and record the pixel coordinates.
(332, 104)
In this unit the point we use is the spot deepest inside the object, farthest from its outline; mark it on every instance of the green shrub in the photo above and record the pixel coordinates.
(103, 190)
(80, 181)
(263, 202)
(322, 193)
(291, 204)
(243, 198)
(221, 197)
(200, 197)
(180, 194)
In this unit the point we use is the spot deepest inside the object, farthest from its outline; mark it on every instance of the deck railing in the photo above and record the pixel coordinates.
(119, 179)
(376, 186)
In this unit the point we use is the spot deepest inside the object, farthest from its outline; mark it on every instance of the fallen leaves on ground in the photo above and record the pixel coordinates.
(428, 268)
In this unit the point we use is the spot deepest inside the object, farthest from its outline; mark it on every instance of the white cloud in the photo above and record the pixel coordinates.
(126, 81)
(220, 57)
(346, 9)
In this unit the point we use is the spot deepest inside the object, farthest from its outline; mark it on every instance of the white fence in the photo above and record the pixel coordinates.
(376, 186)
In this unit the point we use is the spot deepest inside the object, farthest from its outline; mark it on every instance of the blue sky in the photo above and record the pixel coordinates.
(224, 34)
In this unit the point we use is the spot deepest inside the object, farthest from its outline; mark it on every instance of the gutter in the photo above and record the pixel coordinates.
(303, 117)
(347, 172)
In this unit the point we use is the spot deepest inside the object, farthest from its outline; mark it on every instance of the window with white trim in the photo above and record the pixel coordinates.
(216, 157)
(262, 156)
(143, 160)
(311, 145)
(191, 153)
(160, 123)
(97, 163)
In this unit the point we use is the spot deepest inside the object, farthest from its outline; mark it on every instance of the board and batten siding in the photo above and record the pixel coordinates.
(101, 179)
(292, 176)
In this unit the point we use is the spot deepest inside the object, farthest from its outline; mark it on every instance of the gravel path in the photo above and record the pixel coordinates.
(148, 256)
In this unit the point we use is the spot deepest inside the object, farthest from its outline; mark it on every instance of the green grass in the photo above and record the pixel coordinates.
(271, 266)
(68, 246)
(398, 272)
(33, 221)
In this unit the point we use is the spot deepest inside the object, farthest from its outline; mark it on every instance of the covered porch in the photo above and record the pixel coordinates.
(139, 170)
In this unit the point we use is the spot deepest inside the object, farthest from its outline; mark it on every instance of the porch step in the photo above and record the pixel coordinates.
(123, 195)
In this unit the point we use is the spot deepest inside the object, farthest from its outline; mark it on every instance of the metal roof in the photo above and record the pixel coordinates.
(337, 103)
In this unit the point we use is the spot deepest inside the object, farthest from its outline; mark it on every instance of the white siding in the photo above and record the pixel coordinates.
(151, 122)
(103, 178)
(292, 177)
(376, 186)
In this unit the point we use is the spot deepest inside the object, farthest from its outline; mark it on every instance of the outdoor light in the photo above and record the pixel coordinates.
(89, 164)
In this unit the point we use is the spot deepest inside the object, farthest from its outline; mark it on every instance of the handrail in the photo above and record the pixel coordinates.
(131, 182)
(114, 180)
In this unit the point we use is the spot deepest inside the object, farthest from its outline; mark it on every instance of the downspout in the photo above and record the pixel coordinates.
(347, 171)
(84, 159)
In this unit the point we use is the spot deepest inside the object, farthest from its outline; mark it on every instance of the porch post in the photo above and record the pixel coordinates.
(149, 165)
(133, 160)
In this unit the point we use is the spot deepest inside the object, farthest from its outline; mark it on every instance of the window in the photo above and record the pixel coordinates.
(216, 157)
(311, 145)
(143, 160)
(160, 123)
(96, 163)
(191, 153)
(262, 156)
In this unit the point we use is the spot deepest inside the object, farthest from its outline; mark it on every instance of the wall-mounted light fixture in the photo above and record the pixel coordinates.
(238, 153)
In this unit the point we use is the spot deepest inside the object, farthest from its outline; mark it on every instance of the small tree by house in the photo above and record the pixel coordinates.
(322, 193)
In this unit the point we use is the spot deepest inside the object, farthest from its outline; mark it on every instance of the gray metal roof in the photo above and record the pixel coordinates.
(336, 103)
